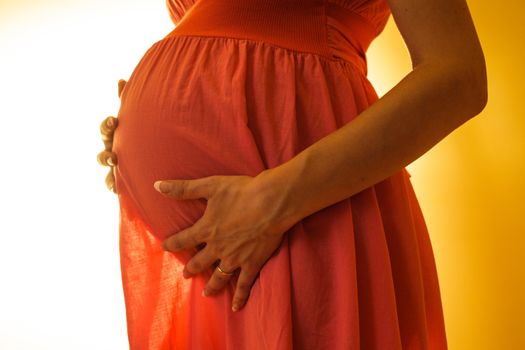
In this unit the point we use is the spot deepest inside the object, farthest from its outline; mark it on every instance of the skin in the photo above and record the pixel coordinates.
(107, 157)
(246, 217)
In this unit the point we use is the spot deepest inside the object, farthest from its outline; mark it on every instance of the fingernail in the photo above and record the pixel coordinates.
(157, 185)
(235, 308)
(204, 294)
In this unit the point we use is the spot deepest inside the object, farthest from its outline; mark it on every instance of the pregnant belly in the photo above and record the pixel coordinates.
(172, 128)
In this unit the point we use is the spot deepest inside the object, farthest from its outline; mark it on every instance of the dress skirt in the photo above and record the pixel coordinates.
(237, 87)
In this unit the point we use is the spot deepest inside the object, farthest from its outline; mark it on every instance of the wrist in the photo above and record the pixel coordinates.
(276, 187)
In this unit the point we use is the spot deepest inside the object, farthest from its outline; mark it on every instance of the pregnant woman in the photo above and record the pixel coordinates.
(254, 161)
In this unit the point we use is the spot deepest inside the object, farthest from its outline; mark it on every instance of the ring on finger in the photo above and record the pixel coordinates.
(224, 272)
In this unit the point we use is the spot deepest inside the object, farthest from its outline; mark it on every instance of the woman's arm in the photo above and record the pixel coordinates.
(446, 88)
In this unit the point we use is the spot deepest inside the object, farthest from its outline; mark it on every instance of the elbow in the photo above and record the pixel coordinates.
(479, 94)
(482, 101)
(465, 82)
(474, 86)
(461, 85)
(484, 98)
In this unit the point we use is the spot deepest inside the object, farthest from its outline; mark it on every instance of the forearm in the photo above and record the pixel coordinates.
(427, 105)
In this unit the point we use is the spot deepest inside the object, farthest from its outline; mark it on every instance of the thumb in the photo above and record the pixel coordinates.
(187, 189)
(121, 84)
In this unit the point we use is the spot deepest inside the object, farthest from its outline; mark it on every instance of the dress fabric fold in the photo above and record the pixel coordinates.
(239, 86)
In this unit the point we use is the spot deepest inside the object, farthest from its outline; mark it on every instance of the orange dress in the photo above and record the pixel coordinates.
(237, 87)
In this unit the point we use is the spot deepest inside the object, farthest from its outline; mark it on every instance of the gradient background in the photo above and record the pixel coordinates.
(59, 269)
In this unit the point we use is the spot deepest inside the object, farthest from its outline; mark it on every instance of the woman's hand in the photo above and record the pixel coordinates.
(242, 226)
(107, 157)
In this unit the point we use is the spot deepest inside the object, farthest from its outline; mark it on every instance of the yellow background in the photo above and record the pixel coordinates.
(60, 62)
(471, 187)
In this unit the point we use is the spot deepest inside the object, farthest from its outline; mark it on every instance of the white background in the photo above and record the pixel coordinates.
(60, 62)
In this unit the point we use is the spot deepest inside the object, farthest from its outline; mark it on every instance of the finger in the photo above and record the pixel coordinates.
(108, 144)
(107, 158)
(110, 180)
(114, 188)
(244, 286)
(218, 280)
(107, 127)
(121, 84)
(186, 239)
(201, 261)
(188, 189)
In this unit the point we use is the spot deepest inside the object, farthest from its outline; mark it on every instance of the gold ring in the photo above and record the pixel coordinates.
(224, 272)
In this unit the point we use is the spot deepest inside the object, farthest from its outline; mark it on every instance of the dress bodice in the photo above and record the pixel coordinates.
(349, 25)
(374, 11)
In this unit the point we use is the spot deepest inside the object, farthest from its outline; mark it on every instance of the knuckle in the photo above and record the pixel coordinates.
(244, 287)
(210, 185)
(104, 130)
(217, 246)
(195, 237)
(212, 290)
(194, 267)
(107, 158)
(107, 127)
(101, 158)
(112, 159)
(228, 265)
(182, 189)
(110, 181)
(111, 123)
(174, 244)
(222, 278)
(103, 124)
(251, 268)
